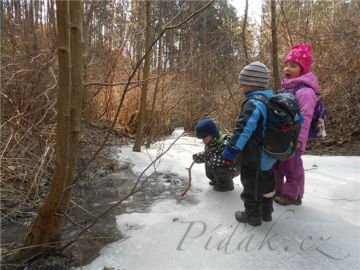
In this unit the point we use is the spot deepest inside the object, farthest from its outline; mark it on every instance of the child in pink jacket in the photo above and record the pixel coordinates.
(299, 80)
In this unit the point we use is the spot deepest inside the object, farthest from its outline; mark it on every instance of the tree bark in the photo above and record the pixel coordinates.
(46, 228)
(45, 232)
(76, 100)
(286, 24)
(274, 46)
(142, 111)
(152, 115)
(243, 33)
(17, 6)
(156, 90)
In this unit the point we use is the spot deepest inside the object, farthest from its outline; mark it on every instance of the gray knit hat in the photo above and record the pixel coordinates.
(255, 74)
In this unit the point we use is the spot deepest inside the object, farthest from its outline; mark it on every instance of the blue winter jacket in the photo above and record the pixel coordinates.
(249, 134)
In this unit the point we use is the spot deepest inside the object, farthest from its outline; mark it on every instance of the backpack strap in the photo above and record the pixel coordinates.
(221, 137)
(261, 98)
(302, 85)
(220, 140)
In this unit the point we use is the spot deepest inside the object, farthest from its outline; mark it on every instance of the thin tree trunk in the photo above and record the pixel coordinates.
(48, 224)
(156, 90)
(17, 6)
(76, 100)
(243, 33)
(307, 7)
(286, 24)
(142, 111)
(274, 46)
(46, 229)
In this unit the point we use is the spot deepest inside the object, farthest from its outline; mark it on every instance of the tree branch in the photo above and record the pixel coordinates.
(129, 82)
(189, 184)
(133, 191)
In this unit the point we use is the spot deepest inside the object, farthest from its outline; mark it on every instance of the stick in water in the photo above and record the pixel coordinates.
(189, 184)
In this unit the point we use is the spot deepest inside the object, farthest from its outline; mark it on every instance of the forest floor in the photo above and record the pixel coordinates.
(105, 183)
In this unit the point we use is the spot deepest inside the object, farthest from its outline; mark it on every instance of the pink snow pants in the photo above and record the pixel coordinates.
(289, 176)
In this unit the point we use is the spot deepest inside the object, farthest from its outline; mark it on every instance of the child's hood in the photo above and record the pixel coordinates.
(309, 79)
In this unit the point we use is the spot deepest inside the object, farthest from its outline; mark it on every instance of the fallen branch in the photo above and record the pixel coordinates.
(189, 184)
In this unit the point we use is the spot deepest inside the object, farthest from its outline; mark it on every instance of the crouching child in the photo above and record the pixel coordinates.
(217, 170)
(246, 144)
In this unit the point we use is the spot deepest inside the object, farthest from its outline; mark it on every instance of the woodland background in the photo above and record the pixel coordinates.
(191, 73)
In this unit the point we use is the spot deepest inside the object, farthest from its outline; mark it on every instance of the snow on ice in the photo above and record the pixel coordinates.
(322, 233)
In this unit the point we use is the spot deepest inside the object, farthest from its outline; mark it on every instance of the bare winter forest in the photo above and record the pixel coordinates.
(80, 75)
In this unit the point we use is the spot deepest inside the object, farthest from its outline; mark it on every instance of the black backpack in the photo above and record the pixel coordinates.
(282, 126)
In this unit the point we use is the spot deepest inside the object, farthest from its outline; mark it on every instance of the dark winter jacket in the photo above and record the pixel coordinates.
(211, 156)
(249, 134)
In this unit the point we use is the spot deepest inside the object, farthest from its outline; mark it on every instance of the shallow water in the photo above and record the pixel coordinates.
(98, 196)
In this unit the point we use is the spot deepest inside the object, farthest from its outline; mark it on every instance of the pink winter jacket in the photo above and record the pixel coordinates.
(307, 99)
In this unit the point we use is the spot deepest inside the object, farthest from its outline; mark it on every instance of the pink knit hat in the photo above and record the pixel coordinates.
(301, 55)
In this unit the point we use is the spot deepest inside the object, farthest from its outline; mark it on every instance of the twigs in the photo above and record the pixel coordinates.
(77, 224)
(82, 208)
(27, 111)
(132, 192)
(189, 184)
(130, 80)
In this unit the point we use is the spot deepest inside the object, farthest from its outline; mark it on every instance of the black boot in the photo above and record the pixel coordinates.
(267, 209)
(242, 217)
(266, 217)
(223, 189)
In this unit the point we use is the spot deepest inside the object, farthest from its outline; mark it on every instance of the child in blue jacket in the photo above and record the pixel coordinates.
(246, 144)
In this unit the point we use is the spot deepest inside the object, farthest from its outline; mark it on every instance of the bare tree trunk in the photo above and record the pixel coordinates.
(286, 24)
(17, 6)
(157, 87)
(153, 116)
(46, 229)
(243, 33)
(274, 46)
(307, 7)
(51, 18)
(142, 111)
(76, 100)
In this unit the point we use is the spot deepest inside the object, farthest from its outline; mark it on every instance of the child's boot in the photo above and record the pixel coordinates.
(223, 188)
(252, 213)
(267, 209)
(243, 217)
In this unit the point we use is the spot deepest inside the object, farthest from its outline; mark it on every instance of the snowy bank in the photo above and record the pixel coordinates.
(322, 233)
